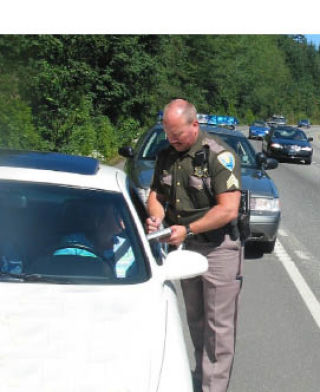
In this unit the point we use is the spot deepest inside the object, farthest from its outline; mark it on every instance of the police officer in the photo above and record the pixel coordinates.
(196, 191)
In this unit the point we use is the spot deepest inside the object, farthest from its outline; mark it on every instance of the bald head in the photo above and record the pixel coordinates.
(180, 108)
(180, 124)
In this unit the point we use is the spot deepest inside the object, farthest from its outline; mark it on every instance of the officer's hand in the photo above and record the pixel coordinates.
(178, 235)
(153, 224)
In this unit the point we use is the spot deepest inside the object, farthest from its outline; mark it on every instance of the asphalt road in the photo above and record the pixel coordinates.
(278, 343)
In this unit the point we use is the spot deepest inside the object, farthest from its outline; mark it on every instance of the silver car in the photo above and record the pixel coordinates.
(264, 200)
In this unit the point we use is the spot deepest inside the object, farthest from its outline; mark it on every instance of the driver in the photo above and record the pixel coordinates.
(106, 238)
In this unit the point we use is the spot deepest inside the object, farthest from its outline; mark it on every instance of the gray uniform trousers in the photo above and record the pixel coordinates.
(211, 302)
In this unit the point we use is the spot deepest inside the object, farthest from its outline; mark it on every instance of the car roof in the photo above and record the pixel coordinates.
(59, 169)
(222, 131)
(49, 161)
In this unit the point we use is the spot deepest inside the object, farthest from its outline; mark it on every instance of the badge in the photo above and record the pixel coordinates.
(232, 181)
(198, 172)
(227, 160)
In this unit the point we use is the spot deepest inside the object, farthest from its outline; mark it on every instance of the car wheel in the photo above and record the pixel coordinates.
(268, 246)
(308, 161)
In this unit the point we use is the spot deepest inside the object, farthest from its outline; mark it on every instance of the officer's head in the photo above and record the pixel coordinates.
(181, 124)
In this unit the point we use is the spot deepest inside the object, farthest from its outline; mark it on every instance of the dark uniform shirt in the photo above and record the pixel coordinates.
(180, 181)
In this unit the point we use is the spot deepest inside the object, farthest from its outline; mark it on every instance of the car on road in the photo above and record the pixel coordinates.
(75, 317)
(288, 143)
(304, 123)
(264, 198)
(258, 130)
(277, 119)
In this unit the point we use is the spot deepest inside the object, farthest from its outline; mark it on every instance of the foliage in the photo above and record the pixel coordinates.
(17, 129)
(89, 94)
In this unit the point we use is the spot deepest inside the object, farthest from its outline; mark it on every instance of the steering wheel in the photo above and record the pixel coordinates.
(98, 257)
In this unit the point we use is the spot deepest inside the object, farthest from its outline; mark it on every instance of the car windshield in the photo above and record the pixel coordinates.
(259, 124)
(279, 119)
(58, 234)
(242, 147)
(157, 140)
(293, 134)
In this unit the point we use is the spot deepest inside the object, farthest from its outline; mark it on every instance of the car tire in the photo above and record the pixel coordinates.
(268, 246)
(308, 161)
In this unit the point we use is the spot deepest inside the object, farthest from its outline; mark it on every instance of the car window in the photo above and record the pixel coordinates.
(290, 134)
(153, 144)
(61, 234)
(242, 147)
(157, 247)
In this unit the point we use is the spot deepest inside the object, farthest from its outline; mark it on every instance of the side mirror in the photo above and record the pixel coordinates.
(270, 163)
(261, 158)
(266, 163)
(184, 264)
(310, 139)
(126, 151)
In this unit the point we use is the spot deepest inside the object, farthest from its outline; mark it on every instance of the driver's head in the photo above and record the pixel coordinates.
(107, 224)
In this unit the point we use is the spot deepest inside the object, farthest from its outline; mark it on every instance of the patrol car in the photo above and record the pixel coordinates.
(264, 201)
(69, 321)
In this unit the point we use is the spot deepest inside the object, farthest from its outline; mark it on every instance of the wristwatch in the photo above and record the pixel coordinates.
(189, 232)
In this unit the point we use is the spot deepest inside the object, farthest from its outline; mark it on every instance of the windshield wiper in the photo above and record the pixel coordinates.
(10, 276)
(44, 278)
(35, 278)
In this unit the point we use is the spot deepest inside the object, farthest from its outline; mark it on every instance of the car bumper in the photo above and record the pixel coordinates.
(257, 135)
(264, 228)
(291, 155)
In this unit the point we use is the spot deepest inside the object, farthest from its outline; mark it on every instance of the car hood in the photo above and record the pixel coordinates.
(81, 338)
(258, 182)
(301, 143)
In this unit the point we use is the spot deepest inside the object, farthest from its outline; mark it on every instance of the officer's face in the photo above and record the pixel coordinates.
(181, 135)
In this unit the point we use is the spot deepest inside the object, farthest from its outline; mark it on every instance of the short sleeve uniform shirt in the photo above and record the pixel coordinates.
(181, 182)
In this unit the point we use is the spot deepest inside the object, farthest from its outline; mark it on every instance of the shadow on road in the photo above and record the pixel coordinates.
(252, 251)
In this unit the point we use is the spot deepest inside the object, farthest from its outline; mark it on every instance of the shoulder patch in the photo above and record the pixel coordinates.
(233, 182)
(227, 160)
(213, 145)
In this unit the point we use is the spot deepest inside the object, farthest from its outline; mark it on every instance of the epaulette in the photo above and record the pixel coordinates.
(213, 145)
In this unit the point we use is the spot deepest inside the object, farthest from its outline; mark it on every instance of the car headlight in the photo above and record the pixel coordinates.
(264, 204)
(276, 145)
(143, 194)
(306, 148)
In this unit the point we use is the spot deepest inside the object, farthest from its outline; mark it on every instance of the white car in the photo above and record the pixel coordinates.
(72, 317)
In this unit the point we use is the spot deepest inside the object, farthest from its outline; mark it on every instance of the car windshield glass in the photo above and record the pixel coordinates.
(279, 119)
(290, 134)
(58, 234)
(243, 148)
(259, 124)
(156, 141)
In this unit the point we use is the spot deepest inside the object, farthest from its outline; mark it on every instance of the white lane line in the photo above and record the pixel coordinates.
(304, 290)
(283, 233)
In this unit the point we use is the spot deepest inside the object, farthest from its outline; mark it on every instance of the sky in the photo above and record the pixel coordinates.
(313, 38)
(154, 17)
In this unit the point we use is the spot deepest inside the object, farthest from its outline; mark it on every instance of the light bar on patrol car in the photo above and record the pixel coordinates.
(210, 119)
